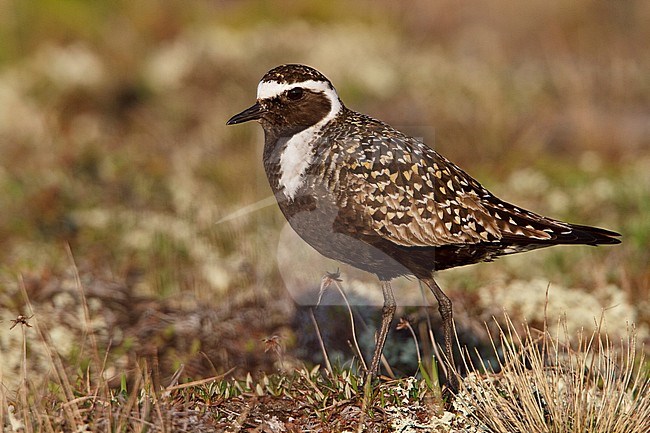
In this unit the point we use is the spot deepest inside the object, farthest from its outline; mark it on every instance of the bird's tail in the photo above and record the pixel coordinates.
(587, 235)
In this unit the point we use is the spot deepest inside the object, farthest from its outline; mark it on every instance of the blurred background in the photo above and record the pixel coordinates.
(130, 212)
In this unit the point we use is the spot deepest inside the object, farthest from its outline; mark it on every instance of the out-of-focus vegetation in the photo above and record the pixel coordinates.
(121, 188)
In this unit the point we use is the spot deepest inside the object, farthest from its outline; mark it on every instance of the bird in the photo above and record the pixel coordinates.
(363, 193)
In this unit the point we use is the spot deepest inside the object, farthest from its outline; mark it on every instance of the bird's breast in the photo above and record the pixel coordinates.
(295, 166)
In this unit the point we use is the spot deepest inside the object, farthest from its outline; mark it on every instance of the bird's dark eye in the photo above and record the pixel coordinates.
(295, 93)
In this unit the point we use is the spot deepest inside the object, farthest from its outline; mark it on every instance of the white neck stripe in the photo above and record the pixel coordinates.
(299, 150)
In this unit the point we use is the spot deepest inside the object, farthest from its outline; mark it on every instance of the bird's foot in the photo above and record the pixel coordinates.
(326, 281)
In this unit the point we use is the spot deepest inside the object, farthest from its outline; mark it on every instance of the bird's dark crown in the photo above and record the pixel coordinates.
(294, 73)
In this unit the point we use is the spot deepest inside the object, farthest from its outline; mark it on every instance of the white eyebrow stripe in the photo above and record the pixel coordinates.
(271, 89)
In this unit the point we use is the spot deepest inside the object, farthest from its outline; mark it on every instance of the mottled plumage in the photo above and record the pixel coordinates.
(364, 193)
(395, 187)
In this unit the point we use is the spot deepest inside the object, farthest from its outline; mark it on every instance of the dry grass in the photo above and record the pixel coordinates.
(548, 384)
(543, 383)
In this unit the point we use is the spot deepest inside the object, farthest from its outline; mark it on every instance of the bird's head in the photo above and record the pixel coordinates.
(291, 98)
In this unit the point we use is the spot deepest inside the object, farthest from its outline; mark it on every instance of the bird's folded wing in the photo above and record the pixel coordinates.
(410, 195)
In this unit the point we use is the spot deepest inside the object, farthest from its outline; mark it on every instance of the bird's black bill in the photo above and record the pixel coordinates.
(253, 113)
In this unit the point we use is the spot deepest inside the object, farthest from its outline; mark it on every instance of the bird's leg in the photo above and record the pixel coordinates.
(445, 308)
(387, 314)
